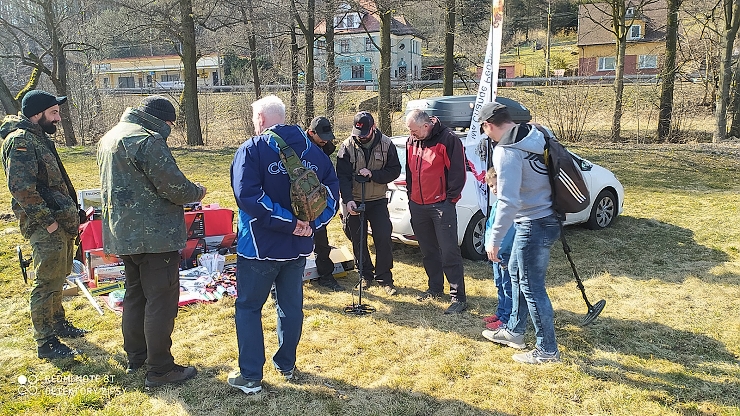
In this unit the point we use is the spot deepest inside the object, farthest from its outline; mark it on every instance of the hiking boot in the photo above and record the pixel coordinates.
(364, 282)
(494, 325)
(506, 337)
(247, 386)
(456, 307)
(329, 282)
(178, 374)
(491, 319)
(426, 295)
(53, 348)
(65, 329)
(390, 289)
(537, 356)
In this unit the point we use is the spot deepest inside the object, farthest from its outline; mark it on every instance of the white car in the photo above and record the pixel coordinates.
(607, 199)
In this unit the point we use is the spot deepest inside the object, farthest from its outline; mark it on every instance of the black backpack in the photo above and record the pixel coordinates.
(569, 191)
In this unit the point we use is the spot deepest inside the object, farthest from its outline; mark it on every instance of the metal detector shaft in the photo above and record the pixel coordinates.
(78, 282)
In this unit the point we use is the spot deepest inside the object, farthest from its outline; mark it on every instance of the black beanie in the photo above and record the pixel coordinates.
(159, 107)
(37, 101)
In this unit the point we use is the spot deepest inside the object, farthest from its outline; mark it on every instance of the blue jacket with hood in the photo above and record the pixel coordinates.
(262, 190)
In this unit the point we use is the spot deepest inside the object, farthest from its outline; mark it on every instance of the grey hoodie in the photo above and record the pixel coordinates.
(524, 191)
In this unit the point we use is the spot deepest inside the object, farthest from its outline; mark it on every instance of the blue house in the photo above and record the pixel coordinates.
(356, 32)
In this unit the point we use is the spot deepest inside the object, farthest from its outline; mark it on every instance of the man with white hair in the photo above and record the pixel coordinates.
(273, 243)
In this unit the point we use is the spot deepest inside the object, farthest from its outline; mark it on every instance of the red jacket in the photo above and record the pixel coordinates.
(435, 166)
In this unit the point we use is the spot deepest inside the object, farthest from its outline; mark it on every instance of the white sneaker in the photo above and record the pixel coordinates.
(537, 356)
(506, 337)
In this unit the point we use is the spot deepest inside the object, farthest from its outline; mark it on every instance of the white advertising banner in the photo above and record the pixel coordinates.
(476, 144)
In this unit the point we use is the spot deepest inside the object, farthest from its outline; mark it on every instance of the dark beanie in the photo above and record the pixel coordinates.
(159, 107)
(37, 101)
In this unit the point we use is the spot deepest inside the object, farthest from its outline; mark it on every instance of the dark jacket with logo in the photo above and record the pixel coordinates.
(435, 166)
(40, 193)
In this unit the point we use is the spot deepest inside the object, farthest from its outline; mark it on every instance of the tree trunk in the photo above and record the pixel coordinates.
(731, 24)
(384, 75)
(252, 40)
(735, 103)
(449, 68)
(10, 105)
(331, 67)
(295, 68)
(59, 74)
(189, 98)
(669, 72)
(309, 75)
(616, 132)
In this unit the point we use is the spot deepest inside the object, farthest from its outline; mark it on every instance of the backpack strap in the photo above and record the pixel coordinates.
(287, 154)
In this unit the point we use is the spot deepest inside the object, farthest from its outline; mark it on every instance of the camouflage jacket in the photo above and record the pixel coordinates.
(39, 193)
(142, 188)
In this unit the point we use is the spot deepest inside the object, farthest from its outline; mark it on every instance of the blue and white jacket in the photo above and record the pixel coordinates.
(262, 190)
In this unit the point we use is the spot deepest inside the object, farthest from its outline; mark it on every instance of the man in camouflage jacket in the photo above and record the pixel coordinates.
(45, 203)
(143, 193)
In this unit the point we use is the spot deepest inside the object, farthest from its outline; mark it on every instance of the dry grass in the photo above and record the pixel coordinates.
(667, 343)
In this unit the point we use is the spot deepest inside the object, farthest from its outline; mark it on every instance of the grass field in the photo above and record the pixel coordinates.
(668, 342)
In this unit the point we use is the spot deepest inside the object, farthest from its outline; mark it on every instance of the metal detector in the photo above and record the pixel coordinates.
(593, 310)
(24, 263)
(358, 308)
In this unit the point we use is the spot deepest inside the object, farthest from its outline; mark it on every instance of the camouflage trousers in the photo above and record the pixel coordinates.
(52, 262)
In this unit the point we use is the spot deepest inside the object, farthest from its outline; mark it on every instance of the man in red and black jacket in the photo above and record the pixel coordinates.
(435, 176)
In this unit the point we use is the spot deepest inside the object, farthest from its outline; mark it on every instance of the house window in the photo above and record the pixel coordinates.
(321, 46)
(170, 78)
(369, 44)
(607, 63)
(647, 61)
(358, 72)
(634, 32)
(126, 82)
(344, 46)
(630, 12)
(106, 82)
(349, 21)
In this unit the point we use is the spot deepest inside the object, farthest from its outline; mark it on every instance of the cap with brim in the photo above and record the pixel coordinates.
(38, 101)
(487, 111)
(362, 124)
(322, 127)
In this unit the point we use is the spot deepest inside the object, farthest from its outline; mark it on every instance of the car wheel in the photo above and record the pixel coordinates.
(604, 211)
(472, 246)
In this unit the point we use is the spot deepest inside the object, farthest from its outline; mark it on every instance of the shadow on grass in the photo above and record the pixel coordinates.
(640, 248)
(677, 366)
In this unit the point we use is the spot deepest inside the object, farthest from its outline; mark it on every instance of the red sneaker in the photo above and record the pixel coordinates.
(494, 325)
(490, 319)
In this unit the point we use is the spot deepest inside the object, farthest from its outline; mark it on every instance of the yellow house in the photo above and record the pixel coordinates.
(157, 72)
(645, 39)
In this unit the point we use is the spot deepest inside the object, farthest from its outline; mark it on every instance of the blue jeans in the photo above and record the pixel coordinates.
(528, 266)
(503, 284)
(254, 278)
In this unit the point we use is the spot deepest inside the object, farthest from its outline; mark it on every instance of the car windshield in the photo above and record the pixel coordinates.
(402, 158)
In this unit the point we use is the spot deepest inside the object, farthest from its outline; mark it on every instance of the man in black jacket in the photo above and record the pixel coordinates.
(321, 134)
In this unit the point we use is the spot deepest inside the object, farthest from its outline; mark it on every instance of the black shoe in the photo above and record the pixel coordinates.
(65, 329)
(330, 282)
(390, 289)
(456, 307)
(429, 295)
(133, 367)
(178, 374)
(53, 348)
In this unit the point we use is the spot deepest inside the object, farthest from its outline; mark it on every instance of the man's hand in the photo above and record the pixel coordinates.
(53, 227)
(302, 229)
(366, 172)
(493, 255)
(203, 190)
(351, 205)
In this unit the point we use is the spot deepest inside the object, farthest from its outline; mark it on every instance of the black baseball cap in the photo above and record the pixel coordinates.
(37, 101)
(362, 124)
(322, 127)
(487, 111)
